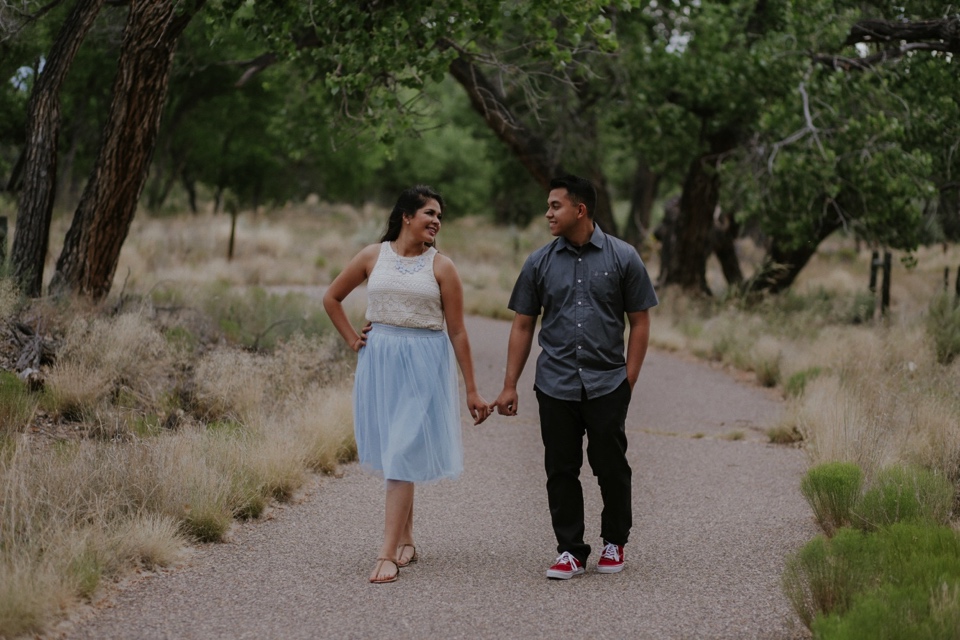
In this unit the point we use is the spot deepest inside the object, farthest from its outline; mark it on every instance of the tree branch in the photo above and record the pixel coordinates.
(924, 35)
(490, 103)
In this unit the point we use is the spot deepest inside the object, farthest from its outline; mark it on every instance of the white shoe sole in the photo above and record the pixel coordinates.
(563, 575)
(617, 569)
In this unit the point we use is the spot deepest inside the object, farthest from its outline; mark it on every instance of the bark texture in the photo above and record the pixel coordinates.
(87, 264)
(782, 266)
(39, 178)
(690, 237)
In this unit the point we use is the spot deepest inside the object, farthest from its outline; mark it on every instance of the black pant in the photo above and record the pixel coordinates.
(562, 426)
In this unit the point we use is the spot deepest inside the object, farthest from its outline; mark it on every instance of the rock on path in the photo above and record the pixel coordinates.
(714, 519)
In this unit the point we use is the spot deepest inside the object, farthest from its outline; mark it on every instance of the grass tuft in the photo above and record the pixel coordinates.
(832, 490)
(905, 494)
(784, 435)
(797, 382)
(17, 403)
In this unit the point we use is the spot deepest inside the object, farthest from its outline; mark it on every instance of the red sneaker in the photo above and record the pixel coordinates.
(611, 560)
(565, 567)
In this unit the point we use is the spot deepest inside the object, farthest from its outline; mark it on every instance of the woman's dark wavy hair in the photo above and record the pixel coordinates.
(407, 204)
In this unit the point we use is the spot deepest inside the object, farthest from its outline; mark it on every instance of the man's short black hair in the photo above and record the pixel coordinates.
(581, 190)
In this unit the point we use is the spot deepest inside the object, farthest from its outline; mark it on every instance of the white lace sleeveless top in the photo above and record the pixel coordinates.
(403, 291)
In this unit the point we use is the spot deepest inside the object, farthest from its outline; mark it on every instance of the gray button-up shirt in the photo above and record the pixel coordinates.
(584, 293)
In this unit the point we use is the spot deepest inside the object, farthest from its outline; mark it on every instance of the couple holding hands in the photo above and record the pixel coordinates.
(585, 283)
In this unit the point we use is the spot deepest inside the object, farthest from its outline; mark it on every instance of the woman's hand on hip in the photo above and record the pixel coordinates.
(361, 340)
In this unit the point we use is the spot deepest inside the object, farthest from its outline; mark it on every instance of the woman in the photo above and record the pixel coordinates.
(406, 392)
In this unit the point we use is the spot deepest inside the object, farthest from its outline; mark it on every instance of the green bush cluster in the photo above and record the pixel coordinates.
(887, 566)
(905, 494)
(832, 489)
(889, 583)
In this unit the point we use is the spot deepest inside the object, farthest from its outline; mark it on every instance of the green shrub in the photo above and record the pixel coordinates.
(943, 326)
(905, 494)
(797, 382)
(832, 490)
(908, 579)
(909, 612)
(17, 404)
(823, 576)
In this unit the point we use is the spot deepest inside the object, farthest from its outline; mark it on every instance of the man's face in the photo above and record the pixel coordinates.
(562, 214)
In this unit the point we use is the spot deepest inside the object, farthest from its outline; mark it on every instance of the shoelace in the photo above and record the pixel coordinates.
(567, 558)
(611, 551)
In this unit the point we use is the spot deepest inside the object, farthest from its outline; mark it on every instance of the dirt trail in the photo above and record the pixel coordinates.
(714, 519)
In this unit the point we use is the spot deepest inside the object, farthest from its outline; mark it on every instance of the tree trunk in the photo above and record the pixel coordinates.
(725, 232)
(781, 266)
(35, 203)
(646, 185)
(100, 225)
(603, 215)
(686, 265)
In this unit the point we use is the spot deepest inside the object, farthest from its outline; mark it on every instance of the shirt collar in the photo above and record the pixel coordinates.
(596, 239)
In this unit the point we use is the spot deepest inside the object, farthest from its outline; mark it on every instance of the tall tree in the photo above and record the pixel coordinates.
(92, 246)
(39, 180)
(863, 142)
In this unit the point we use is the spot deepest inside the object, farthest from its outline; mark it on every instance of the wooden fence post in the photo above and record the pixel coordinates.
(885, 289)
(874, 264)
(3, 243)
(956, 286)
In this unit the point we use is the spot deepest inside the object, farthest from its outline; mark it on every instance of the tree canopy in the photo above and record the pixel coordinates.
(758, 117)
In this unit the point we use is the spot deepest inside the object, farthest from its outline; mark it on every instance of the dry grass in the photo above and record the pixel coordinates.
(102, 357)
(871, 393)
(199, 431)
(9, 298)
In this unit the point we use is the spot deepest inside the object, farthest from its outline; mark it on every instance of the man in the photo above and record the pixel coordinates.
(584, 282)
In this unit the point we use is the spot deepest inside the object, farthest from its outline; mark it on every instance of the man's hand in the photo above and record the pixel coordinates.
(507, 403)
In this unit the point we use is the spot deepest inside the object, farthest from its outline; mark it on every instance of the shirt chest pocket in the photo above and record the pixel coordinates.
(604, 286)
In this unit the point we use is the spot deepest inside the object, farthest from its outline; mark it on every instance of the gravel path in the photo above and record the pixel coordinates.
(714, 519)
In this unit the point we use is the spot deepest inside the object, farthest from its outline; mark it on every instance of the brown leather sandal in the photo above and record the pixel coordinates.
(379, 566)
(400, 549)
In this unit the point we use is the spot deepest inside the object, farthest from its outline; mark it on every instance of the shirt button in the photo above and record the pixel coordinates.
(579, 347)
(579, 259)
(579, 281)
(578, 324)
(579, 303)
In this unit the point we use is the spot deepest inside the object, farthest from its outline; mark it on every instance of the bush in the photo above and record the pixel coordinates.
(797, 382)
(943, 326)
(905, 494)
(901, 581)
(826, 573)
(832, 490)
(17, 404)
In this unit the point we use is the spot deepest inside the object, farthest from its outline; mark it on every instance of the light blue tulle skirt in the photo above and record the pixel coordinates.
(406, 405)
